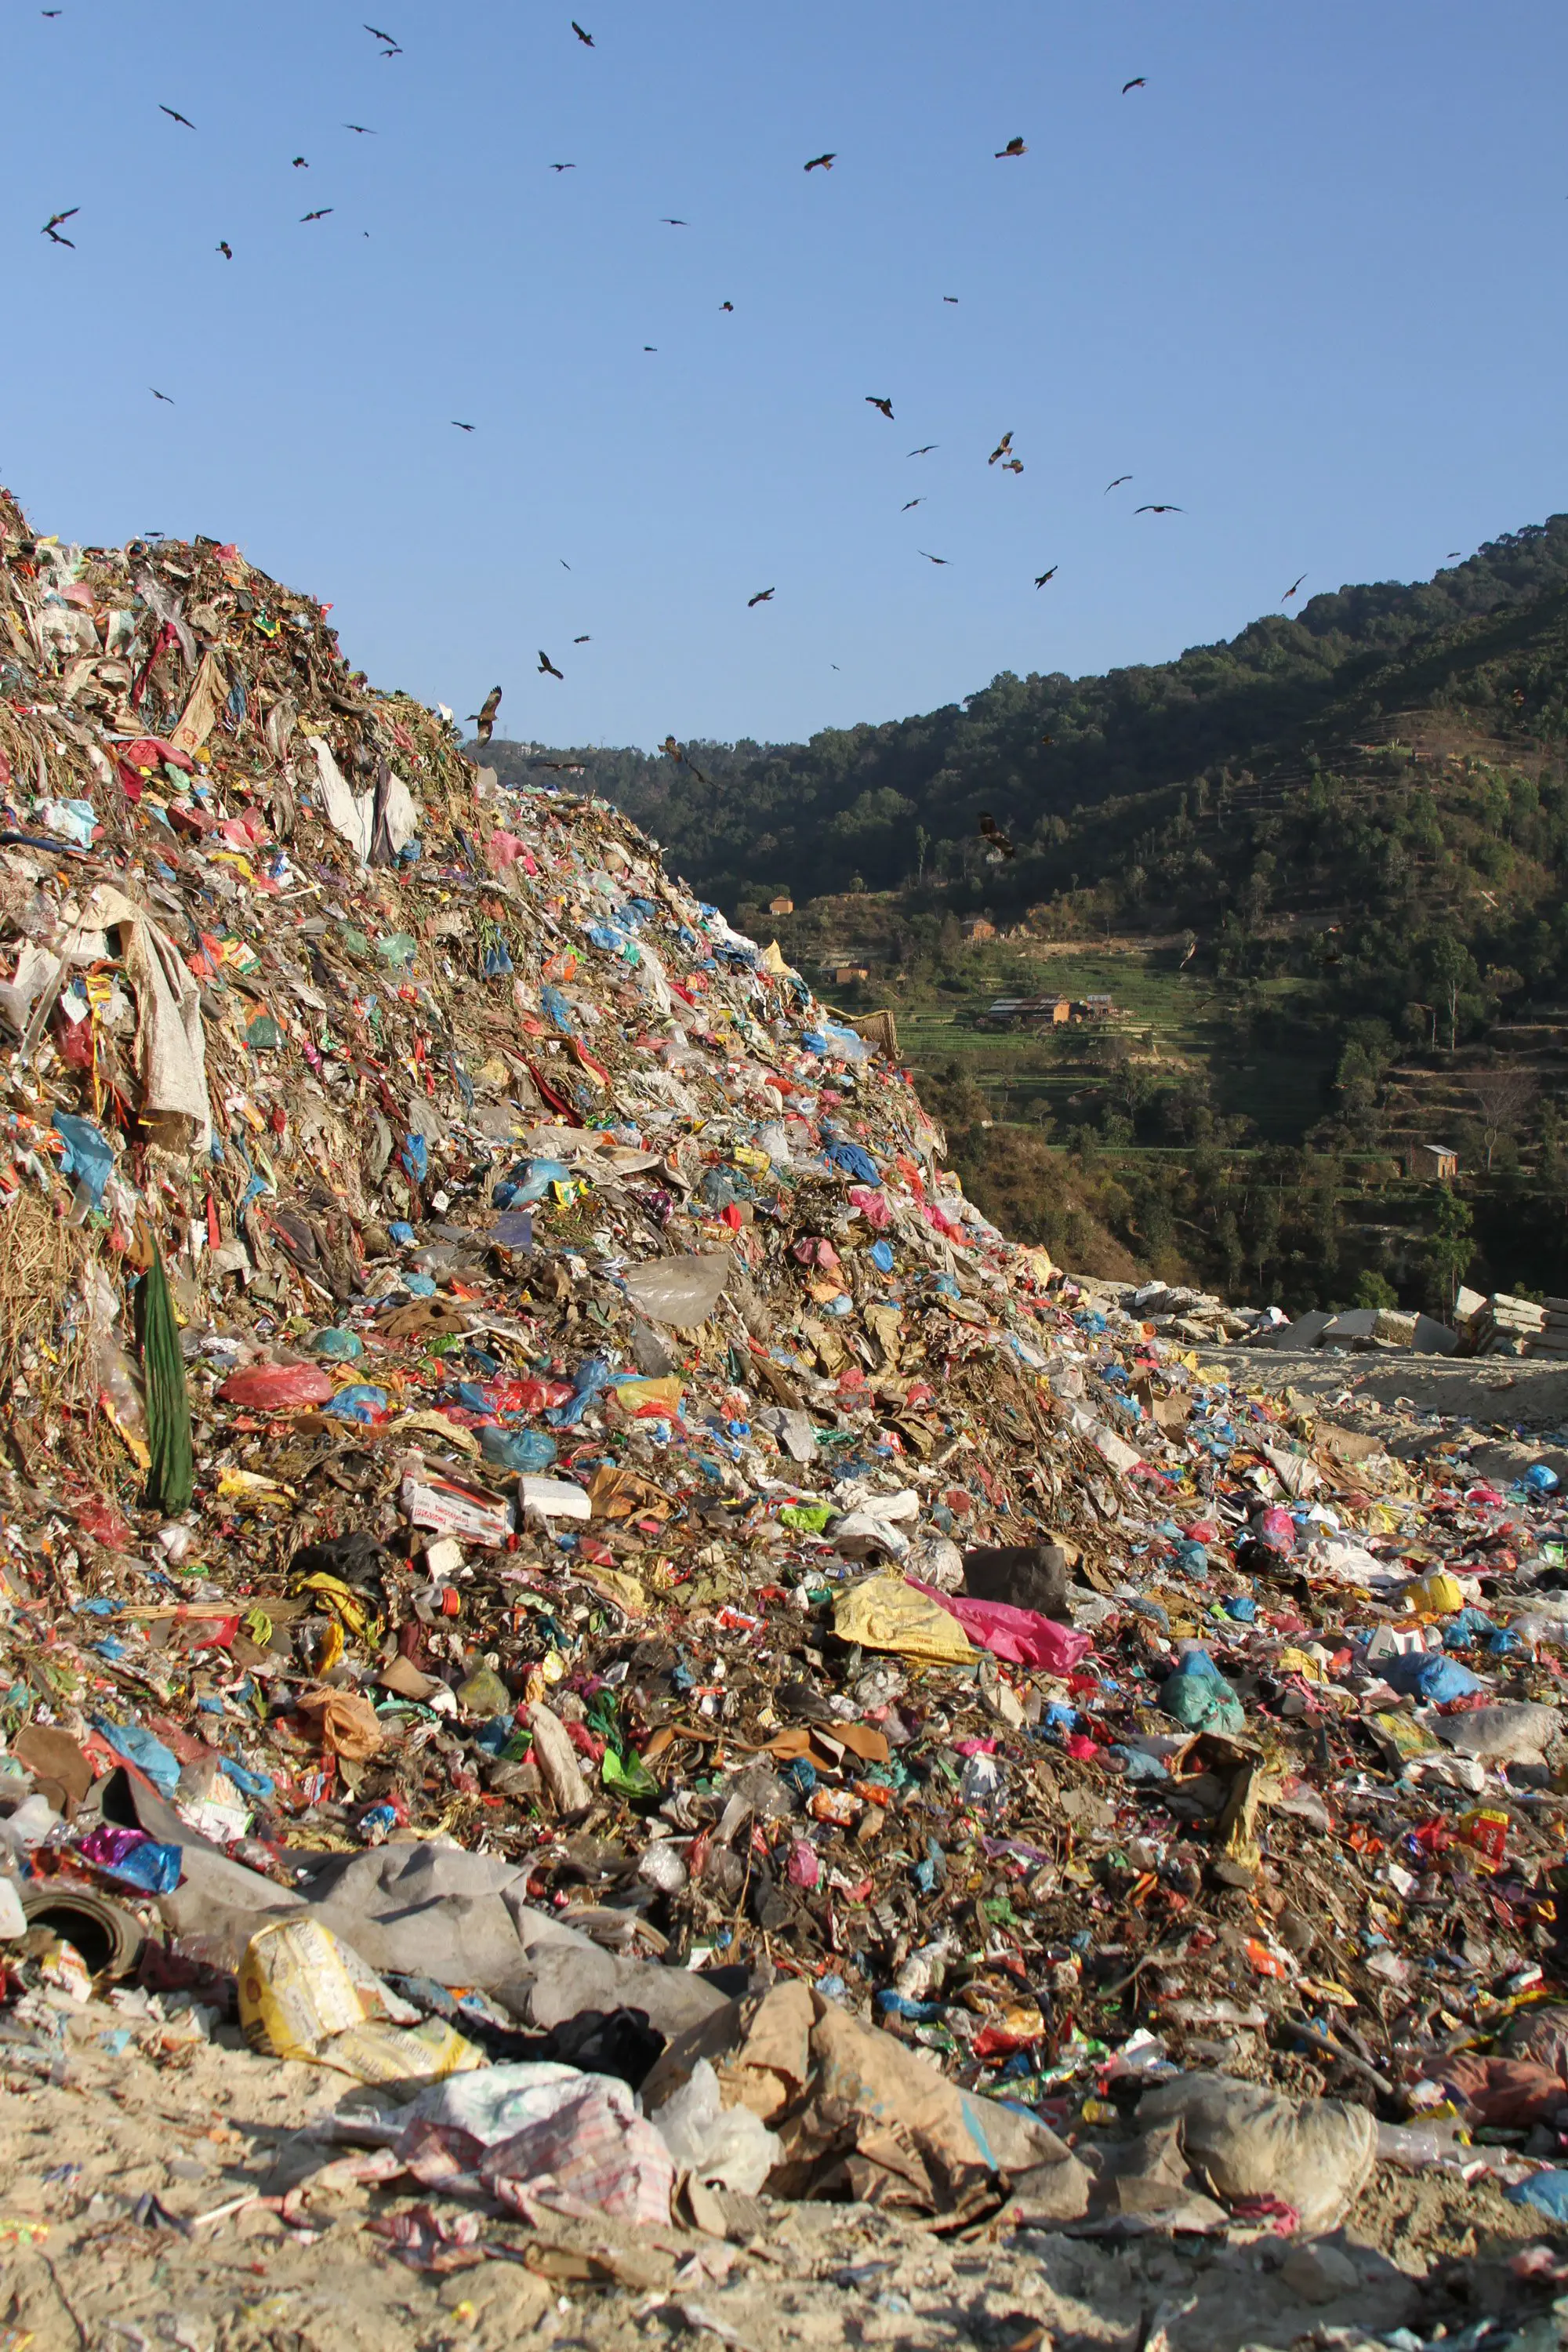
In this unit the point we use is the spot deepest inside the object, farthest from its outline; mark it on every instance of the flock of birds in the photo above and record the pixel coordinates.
(1002, 455)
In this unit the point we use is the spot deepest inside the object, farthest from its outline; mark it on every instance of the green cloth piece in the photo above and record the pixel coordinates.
(172, 1478)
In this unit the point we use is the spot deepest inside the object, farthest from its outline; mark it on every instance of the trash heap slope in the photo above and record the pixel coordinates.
(523, 1474)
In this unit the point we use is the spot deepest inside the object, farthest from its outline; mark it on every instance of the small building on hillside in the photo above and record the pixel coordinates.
(783, 905)
(1095, 1008)
(978, 927)
(1027, 1012)
(1434, 1163)
(843, 973)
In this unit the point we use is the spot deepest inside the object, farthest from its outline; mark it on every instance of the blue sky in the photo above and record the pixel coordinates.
(1308, 284)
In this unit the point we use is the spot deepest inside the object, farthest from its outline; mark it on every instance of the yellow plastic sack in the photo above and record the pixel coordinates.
(295, 1989)
(1435, 1595)
(884, 1613)
(667, 1390)
(304, 1995)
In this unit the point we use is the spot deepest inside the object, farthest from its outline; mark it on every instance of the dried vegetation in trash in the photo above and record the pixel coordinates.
(614, 1710)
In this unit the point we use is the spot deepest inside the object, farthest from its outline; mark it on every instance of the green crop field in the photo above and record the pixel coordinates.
(1175, 1025)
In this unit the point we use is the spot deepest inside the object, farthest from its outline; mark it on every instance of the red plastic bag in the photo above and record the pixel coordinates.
(276, 1387)
(1021, 1635)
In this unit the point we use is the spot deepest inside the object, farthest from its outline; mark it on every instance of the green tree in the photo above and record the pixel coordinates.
(1449, 1247)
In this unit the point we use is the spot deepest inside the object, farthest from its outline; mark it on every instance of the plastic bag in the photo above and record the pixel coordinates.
(277, 1388)
(516, 1449)
(728, 2148)
(1316, 2155)
(88, 1155)
(886, 1614)
(546, 2133)
(682, 1291)
(1517, 1732)
(303, 1994)
(1199, 1697)
(1019, 1635)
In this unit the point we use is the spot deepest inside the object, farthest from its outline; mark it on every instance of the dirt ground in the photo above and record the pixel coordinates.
(86, 2265)
(1491, 1393)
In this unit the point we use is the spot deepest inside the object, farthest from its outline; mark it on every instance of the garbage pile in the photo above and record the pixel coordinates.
(553, 1563)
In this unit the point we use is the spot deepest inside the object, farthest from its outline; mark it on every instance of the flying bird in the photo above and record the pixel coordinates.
(726, 306)
(56, 239)
(564, 167)
(160, 396)
(1116, 484)
(1001, 847)
(910, 502)
(1153, 510)
(1137, 82)
(650, 347)
(547, 668)
(376, 34)
(461, 426)
(762, 597)
(885, 405)
(665, 222)
(1047, 575)
(225, 248)
(949, 297)
(823, 162)
(674, 750)
(586, 38)
(300, 164)
(1013, 147)
(363, 128)
(174, 116)
(926, 451)
(582, 641)
(1014, 466)
(929, 557)
(1452, 552)
(1001, 450)
(560, 560)
(55, 219)
(1292, 590)
(485, 715)
(318, 215)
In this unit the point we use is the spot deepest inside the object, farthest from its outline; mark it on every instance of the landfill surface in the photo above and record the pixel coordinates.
(618, 1719)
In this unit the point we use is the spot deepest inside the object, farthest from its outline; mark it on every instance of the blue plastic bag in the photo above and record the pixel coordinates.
(138, 1745)
(87, 1154)
(359, 1403)
(854, 1162)
(523, 1449)
(591, 1378)
(152, 1867)
(1547, 2192)
(528, 1180)
(1430, 1674)
(339, 1347)
(1200, 1698)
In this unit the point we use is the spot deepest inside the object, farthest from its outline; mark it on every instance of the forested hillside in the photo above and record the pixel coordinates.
(1330, 855)
(876, 805)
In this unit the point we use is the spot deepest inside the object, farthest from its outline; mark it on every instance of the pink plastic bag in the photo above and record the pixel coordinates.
(1020, 1636)
(275, 1388)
